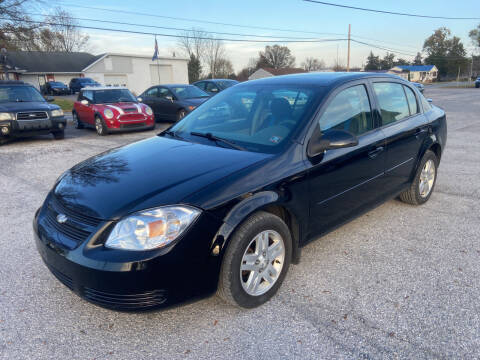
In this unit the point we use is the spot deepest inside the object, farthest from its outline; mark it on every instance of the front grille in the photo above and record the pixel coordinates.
(138, 301)
(130, 126)
(57, 206)
(130, 110)
(32, 115)
(132, 117)
(77, 227)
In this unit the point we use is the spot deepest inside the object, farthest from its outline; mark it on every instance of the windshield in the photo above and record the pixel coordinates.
(259, 118)
(19, 94)
(113, 96)
(226, 83)
(187, 92)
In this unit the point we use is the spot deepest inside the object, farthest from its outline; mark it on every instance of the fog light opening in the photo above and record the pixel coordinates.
(60, 126)
(5, 130)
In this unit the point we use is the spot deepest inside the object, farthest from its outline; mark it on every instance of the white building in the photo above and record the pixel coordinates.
(416, 73)
(269, 72)
(137, 72)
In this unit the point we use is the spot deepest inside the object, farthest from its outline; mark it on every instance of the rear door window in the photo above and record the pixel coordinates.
(350, 111)
(392, 101)
(153, 92)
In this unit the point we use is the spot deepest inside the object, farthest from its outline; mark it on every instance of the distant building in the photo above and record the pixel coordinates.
(269, 72)
(137, 72)
(416, 73)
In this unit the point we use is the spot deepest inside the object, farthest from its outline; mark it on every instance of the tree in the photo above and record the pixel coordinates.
(387, 62)
(418, 59)
(64, 35)
(401, 61)
(194, 69)
(193, 42)
(312, 64)
(15, 32)
(373, 62)
(446, 52)
(276, 56)
(475, 36)
(215, 57)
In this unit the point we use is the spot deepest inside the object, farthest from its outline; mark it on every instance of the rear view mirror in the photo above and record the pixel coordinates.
(331, 139)
(84, 102)
(169, 98)
(215, 90)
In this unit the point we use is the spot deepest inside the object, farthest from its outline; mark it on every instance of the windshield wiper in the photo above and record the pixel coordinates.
(212, 137)
(172, 134)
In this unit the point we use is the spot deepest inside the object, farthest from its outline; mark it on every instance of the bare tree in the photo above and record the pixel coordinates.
(193, 42)
(15, 32)
(312, 64)
(224, 68)
(214, 55)
(65, 34)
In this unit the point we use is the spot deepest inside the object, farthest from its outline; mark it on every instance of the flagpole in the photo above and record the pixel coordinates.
(155, 55)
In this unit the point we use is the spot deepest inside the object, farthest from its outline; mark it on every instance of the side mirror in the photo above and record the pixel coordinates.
(214, 90)
(84, 102)
(169, 98)
(139, 99)
(50, 98)
(331, 139)
(430, 100)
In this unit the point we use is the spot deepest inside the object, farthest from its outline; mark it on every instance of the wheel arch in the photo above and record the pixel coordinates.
(268, 201)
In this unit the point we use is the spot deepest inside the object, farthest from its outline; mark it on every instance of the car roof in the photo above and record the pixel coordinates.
(173, 85)
(13, 82)
(324, 79)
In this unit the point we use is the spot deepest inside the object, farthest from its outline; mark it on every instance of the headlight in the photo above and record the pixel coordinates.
(6, 116)
(108, 113)
(151, 229)
(148, 110)
(57, 112)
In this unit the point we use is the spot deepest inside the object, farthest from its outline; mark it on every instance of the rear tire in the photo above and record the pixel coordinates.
(100, 126)
(424, 181)
(247, 264)
(181, 114)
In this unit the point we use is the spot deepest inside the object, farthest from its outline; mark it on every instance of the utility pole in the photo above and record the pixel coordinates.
(348, 56)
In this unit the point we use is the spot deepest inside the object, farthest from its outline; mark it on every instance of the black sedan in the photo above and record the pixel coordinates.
(173, 102)
(214, 86)
(477, 82)
(224, 199)
(55, 88)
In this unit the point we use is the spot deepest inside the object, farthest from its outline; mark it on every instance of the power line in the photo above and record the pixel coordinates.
(391, 12)
(178, 36)
(223, 24)
(394, 51)
(198, 20)
(176, 29)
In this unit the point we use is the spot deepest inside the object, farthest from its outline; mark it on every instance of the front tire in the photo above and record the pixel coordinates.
(256, 261)
(77, 123)
(424, 182)
(59, 135)
(100, 126)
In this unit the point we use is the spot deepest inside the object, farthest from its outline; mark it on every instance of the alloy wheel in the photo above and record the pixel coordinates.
(262, 262)
(99, 126)
(427, 178)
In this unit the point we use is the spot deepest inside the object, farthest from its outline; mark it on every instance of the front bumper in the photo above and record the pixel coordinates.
(131, 280)
(32, 127)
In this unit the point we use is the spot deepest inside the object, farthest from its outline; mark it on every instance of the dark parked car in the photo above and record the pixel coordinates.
(173, 102)
(78, 83)
(224, 200)
(419, 86)
(55, 88)
(214, 86)
(24, 112)
(477, 82)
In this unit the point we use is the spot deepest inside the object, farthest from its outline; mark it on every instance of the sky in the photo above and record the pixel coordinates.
(300, 18)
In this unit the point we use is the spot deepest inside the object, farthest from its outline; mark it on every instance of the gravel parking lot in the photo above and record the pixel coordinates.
(398, 282)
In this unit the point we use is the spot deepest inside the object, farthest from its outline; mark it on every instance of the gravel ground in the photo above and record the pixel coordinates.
(398, 282)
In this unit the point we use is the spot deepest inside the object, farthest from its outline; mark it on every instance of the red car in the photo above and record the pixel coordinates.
(111, 109)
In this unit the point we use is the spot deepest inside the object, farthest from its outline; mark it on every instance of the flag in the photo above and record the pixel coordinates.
(155, 53)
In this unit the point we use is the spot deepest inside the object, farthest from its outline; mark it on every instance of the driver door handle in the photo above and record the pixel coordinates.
(374, 153)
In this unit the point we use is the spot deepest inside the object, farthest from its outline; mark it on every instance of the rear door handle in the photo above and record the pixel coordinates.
(420, 131)
(374, 153)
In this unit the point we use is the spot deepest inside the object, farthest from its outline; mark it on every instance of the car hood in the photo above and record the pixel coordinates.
(26, 106)
(146, 174)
